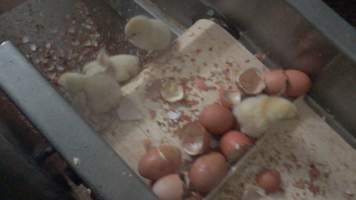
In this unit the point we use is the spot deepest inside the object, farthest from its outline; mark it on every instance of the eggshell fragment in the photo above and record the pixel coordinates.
(208, 171)
(216, 119)
(195, 139)
(169, 187)
(250, 81)
(276, 82)
(298, 83)
(171, 91)
(228, 99)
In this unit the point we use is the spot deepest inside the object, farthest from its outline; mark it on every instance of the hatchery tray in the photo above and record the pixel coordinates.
(206, 52)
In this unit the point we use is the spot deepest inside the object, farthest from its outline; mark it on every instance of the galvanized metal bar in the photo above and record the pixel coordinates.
(93, 159)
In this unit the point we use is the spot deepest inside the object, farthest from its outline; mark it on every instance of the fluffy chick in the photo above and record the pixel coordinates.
(257, 114)
(148, 34)
(92, 68)
(122, 67)
(103, 92)
(125, 67)
(72, 82)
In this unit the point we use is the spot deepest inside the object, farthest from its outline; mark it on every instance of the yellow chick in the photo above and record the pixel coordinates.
(256, 114)
(125, 67)
(72, 82)
(148, 34)
(122, 67)
(103, 92)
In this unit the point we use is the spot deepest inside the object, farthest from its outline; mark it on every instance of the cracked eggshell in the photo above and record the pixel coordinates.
(276, 82)
(103, 92)
(229, 99)
(251, 81)
(171, 91)
(299, 83)
(195, 139)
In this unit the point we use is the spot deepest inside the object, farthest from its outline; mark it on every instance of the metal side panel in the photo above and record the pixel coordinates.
(93, 159)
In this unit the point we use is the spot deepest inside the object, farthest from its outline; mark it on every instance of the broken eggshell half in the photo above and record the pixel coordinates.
(171, 90)
(195, 139)
(251, 81)
(276, 82)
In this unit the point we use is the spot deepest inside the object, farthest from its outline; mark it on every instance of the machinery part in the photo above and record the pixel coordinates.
(21, 177)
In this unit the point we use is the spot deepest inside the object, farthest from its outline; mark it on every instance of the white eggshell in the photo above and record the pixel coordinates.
(171, 91)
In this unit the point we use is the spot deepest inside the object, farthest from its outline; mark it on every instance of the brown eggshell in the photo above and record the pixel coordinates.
(276, 82)
(234, 144)
(228, 99)
(251, 81)
(216, 119)
(195, 139)
(298, 83)
(169, 187)
(158, 162)
(269, 180)
(208, 171)
(171, 153)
